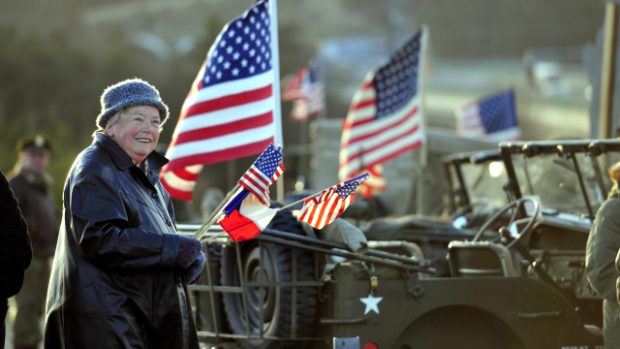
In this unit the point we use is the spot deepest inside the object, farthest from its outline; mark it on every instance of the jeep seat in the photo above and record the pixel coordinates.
(480, 258)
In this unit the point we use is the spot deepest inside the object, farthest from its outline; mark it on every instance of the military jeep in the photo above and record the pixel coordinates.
(518, 282)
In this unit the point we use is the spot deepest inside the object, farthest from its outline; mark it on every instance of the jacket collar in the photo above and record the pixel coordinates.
(122, 160)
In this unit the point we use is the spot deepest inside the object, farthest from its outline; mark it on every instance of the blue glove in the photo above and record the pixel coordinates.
(191, 274)
(188, 251)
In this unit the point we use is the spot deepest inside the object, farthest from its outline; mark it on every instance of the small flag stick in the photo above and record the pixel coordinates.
(215, 215)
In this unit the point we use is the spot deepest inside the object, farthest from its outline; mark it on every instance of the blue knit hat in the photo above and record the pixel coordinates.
(129, 93)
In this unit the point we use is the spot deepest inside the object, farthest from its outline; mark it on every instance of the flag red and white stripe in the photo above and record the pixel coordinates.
(325, 209)
(228, 112)
(322, 209)
(256, 182)
(385, 116)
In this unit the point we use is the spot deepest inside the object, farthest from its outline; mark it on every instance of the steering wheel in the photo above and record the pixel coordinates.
(516, 206)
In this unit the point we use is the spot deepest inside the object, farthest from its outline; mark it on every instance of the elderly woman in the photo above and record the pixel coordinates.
(120, 270)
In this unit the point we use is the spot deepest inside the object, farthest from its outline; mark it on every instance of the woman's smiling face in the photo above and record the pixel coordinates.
(137, 131)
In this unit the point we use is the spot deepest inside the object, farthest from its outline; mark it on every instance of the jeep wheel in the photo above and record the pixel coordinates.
(270, 309)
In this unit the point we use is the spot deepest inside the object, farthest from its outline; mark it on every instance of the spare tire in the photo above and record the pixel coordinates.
(271, 263)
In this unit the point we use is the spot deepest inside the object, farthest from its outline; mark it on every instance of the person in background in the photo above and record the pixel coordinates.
(601, 249)
(33, 189)
(120, 271)
(15, 250)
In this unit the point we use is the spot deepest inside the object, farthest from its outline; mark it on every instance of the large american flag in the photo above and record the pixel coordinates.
(493, 117)
(329, 204)
(228, 112)
(263, 173)
(385, 116)
(307, 92)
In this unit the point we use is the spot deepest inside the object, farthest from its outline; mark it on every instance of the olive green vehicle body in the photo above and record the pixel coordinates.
(530, 295)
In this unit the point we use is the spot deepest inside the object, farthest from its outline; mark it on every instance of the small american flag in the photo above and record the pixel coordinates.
(384, 119)
(306, 91)
(263, 172)
(228, 112)
(329, 204)
(493, 117)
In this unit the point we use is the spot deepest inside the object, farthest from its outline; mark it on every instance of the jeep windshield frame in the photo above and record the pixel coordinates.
(571, 153)
(458, 170)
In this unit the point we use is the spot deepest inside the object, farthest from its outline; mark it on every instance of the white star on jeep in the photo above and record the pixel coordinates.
(372, 303)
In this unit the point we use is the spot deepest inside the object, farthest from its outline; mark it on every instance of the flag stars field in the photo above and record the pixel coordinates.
(247, 39)
(493, 117)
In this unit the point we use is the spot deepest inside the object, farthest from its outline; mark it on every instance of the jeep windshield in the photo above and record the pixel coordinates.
(477, 181)
(567, 180)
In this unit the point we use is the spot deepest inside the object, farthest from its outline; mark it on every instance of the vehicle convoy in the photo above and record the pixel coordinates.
(518, 282)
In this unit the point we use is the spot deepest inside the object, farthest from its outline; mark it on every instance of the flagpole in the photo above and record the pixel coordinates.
(275, 66)
(424, 43)
(300, 200)
(421, 178)
(303, 157)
